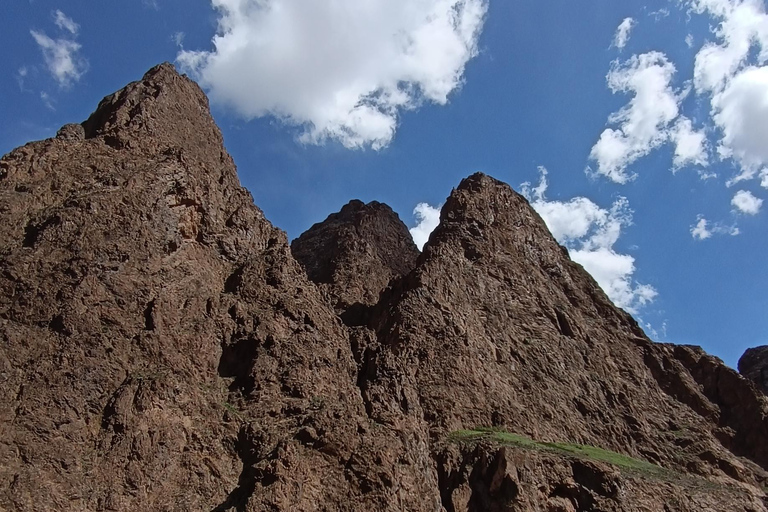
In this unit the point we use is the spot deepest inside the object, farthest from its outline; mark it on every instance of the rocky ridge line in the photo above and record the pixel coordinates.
(162, 349)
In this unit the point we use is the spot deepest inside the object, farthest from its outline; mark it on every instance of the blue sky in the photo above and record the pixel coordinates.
(641, 128)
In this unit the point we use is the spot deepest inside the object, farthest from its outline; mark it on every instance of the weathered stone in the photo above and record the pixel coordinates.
(355, 253)
(754, 366)
(162, 349)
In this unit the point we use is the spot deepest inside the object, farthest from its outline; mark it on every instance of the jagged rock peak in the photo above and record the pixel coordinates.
(483, 208)
(754, 366)
(483, 201)
(355, 252)
(164, 107)
(160, 348)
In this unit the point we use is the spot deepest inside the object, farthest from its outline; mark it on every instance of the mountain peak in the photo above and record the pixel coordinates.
(152, 320)
(163, 108)
(355, 252)
(753, 365)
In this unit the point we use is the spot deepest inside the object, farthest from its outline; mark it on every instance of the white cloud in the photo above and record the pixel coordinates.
(64, 22)
(47, 100)
(622, 33)
(703, 229)
(568, 222)
(62, 58)
(613, 272)
(700, 231)
(740, 110)
(340, 69)
(689, 41)
(590, 233)
(178, 38)
(690, 145)
(427, 218)
(742, 23)
(746, 202)
(21, 74)
(764, 178)
(643, 124)
(731, 70)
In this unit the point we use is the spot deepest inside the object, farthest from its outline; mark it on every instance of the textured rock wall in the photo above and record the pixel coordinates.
(161, 348)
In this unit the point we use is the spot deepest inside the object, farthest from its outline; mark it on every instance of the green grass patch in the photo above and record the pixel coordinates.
(568, 449)
(233, 411)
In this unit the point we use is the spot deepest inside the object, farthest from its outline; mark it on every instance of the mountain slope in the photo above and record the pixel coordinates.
(163, 349)
(496, 327)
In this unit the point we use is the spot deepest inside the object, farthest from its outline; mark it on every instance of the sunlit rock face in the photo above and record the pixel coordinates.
(164, 348)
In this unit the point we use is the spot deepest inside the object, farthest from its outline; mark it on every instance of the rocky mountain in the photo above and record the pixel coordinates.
(754, 366)
(164, 348)
(353, 254)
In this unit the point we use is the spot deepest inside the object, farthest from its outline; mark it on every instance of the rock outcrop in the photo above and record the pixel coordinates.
(163, 349)
(754, 366)
(355, 253)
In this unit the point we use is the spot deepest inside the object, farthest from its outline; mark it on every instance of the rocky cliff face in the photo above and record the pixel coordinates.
(354, 253)
(754, 366)
(163, 349)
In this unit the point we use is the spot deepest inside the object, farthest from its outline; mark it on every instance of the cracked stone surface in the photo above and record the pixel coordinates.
(164, 348)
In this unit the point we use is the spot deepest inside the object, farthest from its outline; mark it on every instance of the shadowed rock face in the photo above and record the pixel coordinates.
(754, 366)
(162, 349)
(353, 254)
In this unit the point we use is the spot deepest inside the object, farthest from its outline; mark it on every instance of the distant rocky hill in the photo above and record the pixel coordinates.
(754, 366)
(164, 348)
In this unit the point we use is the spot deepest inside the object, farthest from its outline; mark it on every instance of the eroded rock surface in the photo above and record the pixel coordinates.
(754, 366)
(162, 349)
(353, 254)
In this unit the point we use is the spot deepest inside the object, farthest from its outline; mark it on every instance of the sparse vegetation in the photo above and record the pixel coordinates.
(147, 374)
(317, 402)
(232, 410)
(623, 462)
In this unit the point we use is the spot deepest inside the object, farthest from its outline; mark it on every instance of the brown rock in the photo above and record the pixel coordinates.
(353, 254)
(754, 366)
(163, 350)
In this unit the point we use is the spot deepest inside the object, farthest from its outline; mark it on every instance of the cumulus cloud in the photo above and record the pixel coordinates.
(622, 33)
(690, 145)
(742, 23)
(745, 202)
(700, 231)
(764, 178)
(64, 22)
(740, 110)
(427, 219)
(704, 229)
(644, 124)
(340, 69)
(590, 233)
(732, 71)
(62, 56)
